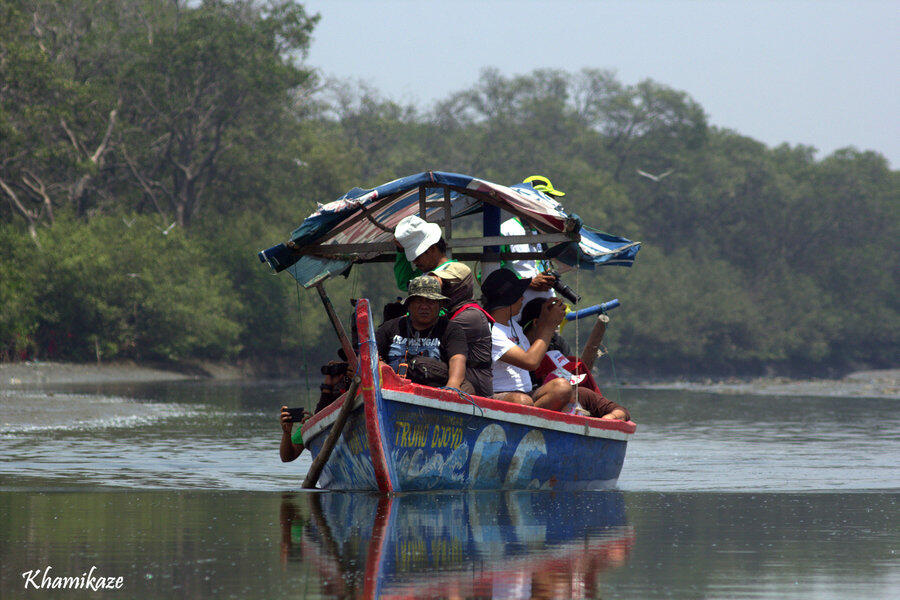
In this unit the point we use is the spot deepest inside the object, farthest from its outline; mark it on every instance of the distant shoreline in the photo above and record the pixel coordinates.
(14, 375)
(883, 383)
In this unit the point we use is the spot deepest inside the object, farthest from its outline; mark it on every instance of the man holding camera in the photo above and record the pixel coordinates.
(424, 333)
(539, 271)
(336, 381)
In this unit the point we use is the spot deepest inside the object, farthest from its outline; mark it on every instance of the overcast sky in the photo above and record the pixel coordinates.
(818, 73)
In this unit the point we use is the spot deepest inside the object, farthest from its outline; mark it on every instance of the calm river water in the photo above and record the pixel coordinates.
(177, 488)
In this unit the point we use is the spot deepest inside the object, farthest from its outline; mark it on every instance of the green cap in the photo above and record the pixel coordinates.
(425, 286)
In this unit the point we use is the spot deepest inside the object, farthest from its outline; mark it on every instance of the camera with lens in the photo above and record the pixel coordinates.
(562, 289)
(334, 369)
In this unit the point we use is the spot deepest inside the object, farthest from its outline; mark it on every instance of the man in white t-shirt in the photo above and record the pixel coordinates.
(513, 356)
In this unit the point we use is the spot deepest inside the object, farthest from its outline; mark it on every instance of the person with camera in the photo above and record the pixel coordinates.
(513, 354)
(291, 441)
(336, 381)
(540, 272)
(423, 345)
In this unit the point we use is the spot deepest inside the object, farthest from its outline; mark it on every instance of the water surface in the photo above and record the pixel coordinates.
(177, 487)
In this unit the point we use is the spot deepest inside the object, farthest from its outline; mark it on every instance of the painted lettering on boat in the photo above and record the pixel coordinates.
(414, 555)
(446, 437)
(409, 435)
(446, 552)
(357, 443)
(410, 554)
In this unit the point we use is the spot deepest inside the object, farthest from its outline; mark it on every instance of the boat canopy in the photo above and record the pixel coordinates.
(358, 227)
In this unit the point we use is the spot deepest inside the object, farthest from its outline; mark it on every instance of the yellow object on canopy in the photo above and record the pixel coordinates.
(542, 184)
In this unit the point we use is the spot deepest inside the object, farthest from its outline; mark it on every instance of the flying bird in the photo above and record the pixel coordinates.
(655, 178)
(167, 229)
(129, 223)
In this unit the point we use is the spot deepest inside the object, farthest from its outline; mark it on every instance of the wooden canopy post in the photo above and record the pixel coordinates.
(448, 223)
(423, 211)
(490, 222)
(352, 359)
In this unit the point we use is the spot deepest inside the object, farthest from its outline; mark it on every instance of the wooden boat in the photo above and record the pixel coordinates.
(471, 544)
(401, 436)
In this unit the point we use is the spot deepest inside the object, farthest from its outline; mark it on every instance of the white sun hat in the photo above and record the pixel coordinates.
(416, 236)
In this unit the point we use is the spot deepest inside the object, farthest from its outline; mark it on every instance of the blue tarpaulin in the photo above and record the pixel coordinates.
(364, 216)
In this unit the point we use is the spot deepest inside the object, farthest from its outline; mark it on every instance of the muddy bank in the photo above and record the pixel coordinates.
(49, 373)
(862, 384)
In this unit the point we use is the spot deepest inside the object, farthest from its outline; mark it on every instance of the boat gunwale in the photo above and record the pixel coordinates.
(493, 409)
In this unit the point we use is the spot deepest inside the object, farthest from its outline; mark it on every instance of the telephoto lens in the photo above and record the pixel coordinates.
(564, 290)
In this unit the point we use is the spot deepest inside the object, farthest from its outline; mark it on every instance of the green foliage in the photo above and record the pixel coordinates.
(119, 118)
(18, 311)
(107, 290)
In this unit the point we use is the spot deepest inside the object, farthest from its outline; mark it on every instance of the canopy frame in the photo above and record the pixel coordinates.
(387, 250)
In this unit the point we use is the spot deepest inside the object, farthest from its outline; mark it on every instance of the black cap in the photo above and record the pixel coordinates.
(502, 288)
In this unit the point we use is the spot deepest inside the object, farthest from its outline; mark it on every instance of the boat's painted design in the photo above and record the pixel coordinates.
(402, 437)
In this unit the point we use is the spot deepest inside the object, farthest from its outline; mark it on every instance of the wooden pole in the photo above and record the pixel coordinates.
(352, 360)
(312, 477)
(448, 222)
(589, 355)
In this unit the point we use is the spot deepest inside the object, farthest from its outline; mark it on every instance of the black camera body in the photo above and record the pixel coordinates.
(562, 289)
(298, 414)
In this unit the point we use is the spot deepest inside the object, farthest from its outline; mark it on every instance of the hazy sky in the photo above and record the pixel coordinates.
(819, 73)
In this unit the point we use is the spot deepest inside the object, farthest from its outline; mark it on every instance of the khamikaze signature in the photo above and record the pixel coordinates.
(86, 581)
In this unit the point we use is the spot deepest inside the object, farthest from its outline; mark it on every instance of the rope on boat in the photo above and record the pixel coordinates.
(303, 346)
(577, 329)
(374, 349)
(468, 399)
(612, 364)
(354, 288)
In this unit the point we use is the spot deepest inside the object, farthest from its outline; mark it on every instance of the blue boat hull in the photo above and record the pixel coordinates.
(406, 437)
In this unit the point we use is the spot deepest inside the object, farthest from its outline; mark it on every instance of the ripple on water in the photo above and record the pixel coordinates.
(31, 411)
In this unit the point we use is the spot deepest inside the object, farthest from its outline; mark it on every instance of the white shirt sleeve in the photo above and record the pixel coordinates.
(500, 343)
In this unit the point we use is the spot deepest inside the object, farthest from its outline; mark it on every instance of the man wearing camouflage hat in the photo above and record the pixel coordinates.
(424, 332)
(423, 246)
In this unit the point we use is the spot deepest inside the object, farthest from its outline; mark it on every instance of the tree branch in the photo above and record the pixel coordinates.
(28, 215)
(143, 182)
(101, 149)
(72, 137)
(40, 189)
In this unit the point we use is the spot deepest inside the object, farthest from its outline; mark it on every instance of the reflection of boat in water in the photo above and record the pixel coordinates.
(502, 545)
(406, 437)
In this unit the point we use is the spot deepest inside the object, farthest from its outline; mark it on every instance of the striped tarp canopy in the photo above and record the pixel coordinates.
(364, 216)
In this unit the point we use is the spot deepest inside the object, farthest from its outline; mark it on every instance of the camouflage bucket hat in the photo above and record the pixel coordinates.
(425, 286)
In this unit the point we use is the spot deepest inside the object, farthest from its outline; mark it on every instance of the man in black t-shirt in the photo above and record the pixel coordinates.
(423, 332)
